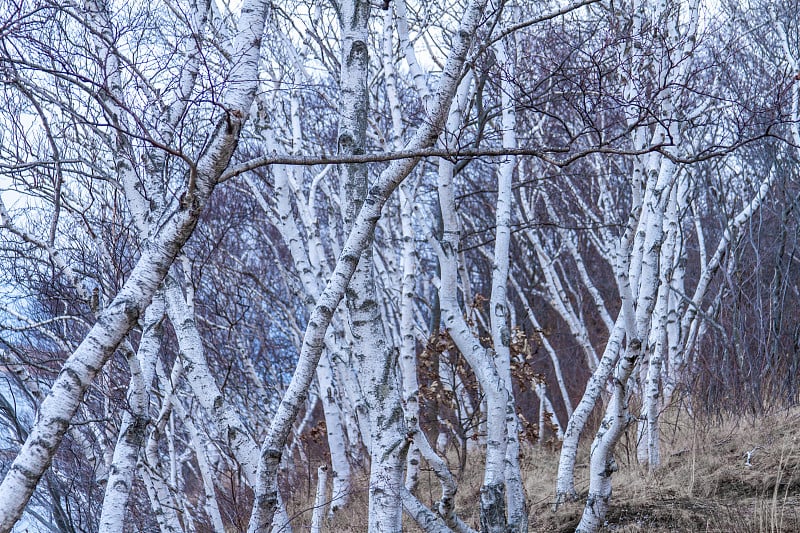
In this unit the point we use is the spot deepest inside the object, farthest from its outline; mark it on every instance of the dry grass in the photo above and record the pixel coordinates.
(704, 485)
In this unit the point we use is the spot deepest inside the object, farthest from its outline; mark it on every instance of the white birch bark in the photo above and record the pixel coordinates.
(418, 77)
(659, 247)
(493, 491)
(200, 447)
(165, 507)
(426, 519)
(407, 358)
(377, 375)
(134, 422)
(602, 463)
(649, 440)
(354, 413)
(319, 499)
(308, 257)
(309, 266)
(639, 274)
(636, 269)
(676, 306)
(445, 506)
(651, 404)
(359, 238)
(202, 382)
(546, 408)
(375, 358)
(500, 326)
(565, 481)
(340, 474)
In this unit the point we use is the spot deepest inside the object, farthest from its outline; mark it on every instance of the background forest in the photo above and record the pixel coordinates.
(442, 266)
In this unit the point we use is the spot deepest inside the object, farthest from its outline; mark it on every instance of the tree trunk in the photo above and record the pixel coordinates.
(134, 421)
(500, 322)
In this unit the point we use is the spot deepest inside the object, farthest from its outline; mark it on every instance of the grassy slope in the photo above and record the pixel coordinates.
(704, 485)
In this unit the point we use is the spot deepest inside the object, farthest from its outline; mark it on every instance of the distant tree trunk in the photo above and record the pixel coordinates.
(319, 499)
(210, 502)
(340, 474)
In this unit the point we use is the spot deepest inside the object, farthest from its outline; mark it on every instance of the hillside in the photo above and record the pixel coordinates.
(705, 485)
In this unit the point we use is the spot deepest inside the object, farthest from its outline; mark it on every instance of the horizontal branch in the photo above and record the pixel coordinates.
(542, 18)
(545, 154)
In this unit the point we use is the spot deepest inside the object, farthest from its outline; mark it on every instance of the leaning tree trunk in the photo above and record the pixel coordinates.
(80, 368)
(565, 479)
(602, 463)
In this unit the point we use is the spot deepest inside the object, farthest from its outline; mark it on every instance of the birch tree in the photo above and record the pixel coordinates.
(179, 215)
(573, 192)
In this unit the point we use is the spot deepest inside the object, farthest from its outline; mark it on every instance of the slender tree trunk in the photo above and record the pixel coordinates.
(134, 422)
(500, 322)
(319, 499)
(408, 355)
(408, 260)
(565, 481)
(651, 404)
(340, 474)
(210, 502)
(493, 491)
